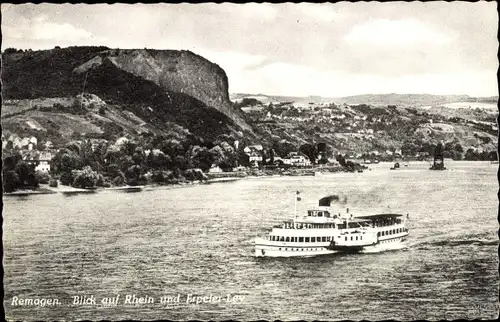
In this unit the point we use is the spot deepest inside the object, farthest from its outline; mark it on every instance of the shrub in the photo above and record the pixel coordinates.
(66, 178)
(102, 110)
(42, 177)
(53, 183)
(118, 181)
(194, 174)
(85, 178)
(100, 180)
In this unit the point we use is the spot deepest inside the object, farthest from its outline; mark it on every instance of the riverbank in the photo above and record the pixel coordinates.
(212, 178)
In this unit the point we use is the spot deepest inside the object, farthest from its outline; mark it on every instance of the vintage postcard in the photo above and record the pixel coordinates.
(254, 161)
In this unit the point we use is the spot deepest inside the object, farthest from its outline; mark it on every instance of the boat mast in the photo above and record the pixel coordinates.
(295, 206)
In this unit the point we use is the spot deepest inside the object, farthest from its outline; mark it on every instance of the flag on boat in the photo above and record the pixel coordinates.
(298, 198)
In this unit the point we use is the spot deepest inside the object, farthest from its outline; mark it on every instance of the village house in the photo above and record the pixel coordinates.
(215, 169)
(297, 159)
(255, 157)
(41, 160)
(45, 159)
(250, 148)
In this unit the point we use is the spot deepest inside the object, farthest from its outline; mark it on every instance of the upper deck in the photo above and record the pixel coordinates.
(322, 218)
(382, 220)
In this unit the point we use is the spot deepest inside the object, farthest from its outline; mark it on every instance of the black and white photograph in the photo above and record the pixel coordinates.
(251, 161)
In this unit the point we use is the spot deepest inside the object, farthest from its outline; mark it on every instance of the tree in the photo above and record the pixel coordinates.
(459, 148)
(310, 151)
(243, 158)
(25, 173)
(10, 50)
(471, 155)
(156, 159)
(10, 181)
(85, 178)
(132, 175)
(271, 156)
(64, 162)
(283, 148)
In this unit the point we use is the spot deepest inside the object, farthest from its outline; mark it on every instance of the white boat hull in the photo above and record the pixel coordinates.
(272, 251)
(263, 249)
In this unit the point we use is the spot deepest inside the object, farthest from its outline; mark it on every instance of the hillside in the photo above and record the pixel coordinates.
(359, 129)
(160, 87)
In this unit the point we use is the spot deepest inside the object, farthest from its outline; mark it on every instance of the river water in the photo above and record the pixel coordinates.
(197, 241)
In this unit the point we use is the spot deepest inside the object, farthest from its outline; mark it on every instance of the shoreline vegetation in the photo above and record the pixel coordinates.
(211, 178)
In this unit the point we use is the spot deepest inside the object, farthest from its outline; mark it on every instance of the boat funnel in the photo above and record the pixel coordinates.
(326, 201)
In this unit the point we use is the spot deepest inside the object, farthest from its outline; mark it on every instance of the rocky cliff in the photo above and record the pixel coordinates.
(149, 75)
(176, 71)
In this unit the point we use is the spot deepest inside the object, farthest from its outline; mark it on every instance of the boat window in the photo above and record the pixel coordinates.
(307, 239)
(282, 238)
(313, 239)
(301, 239)
(328, 238)
(356, 237)
(361, 237)
(351, 237)
(323, 239)
(345, 238)
(378, 234)
(309, 213)
(287, 239)
(320, 214)
(383, 233)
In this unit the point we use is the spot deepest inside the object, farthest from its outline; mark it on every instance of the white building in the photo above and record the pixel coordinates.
(255, 157)
(297, 159)
(215, 169)
(44, 159)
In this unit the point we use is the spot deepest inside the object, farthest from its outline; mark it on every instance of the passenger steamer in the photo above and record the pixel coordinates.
(323, 232)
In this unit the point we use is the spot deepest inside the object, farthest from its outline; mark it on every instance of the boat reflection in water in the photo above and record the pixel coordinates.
(324, 230)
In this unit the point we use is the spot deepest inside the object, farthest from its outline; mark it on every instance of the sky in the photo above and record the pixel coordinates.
(331, 50)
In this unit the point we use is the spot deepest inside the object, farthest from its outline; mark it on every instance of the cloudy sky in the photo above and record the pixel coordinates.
(291, 49)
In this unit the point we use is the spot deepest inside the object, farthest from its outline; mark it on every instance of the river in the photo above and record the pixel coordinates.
(198, 241)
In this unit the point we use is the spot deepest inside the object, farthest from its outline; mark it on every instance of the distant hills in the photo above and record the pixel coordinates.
(406, 100)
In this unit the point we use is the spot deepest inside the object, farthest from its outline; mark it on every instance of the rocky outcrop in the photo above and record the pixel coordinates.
(176, 71)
